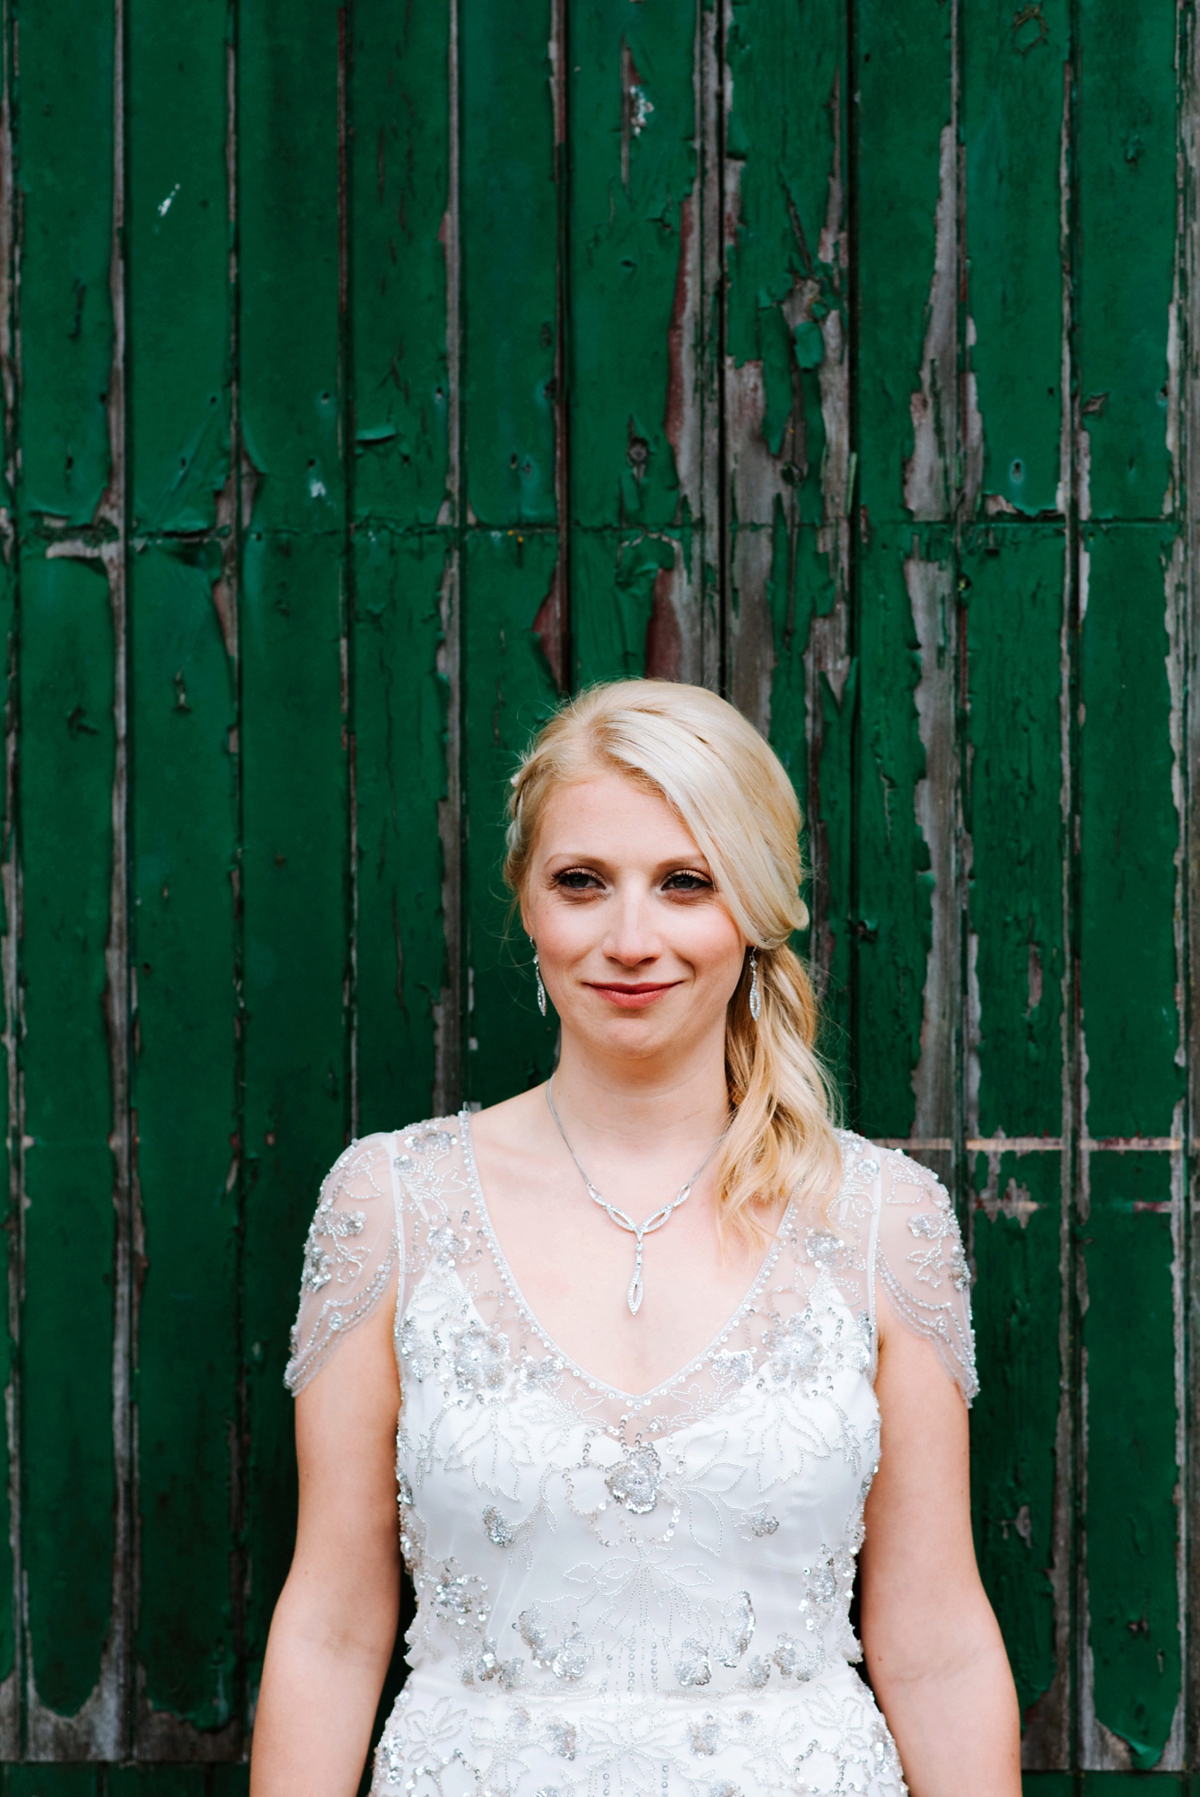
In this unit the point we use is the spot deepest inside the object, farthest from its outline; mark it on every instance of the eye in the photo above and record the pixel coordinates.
(687, 880)
(576, 879)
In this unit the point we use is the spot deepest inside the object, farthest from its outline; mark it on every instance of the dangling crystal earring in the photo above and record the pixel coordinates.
(755, 994)
(541, 990)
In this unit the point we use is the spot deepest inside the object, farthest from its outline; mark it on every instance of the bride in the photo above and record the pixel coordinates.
(668, 1352)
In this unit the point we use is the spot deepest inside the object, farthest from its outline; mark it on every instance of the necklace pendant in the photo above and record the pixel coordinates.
(635, 1292)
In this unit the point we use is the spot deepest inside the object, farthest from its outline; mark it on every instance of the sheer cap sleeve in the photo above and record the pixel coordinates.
(920, 1264)
(350, 1254)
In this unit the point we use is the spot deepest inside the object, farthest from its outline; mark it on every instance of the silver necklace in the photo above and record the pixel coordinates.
(638, 1230)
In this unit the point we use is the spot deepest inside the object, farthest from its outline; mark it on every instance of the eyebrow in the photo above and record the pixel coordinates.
(698, 863)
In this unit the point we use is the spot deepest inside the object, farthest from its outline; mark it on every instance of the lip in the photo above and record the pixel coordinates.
(632, 998)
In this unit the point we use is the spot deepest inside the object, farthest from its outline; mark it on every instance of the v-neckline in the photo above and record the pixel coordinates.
(518, 1297)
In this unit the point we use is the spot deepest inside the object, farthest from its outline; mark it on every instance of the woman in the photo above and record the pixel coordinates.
(664, 1345)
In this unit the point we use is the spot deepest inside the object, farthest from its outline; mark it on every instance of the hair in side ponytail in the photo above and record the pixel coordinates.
(731, 791)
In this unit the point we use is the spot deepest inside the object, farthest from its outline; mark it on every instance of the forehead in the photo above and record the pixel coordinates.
(608, 814)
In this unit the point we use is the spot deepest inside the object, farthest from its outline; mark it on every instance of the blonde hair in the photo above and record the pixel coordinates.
(730, 789)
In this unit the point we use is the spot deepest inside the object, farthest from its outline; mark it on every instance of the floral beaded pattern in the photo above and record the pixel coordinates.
(632, 1592)
(350, 1255)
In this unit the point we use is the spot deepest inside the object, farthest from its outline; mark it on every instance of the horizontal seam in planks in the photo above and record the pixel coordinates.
(1036, 1144)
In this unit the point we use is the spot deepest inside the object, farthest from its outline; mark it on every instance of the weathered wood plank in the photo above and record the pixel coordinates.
(511, 570)
(1133, 1622)
(633, 276)
(65, 138)
(53, 1781)
(905, 256)
(184, 819)
(787, 386)
(294, 871)
(77, 1243)
(184, 833)
(507, 690)
(1018, 1303)
(510, 272)
(907, 253)
(179, 290)
(893, 895)
(400, 174)
(1127, 149)
(633, 198)
(1013, 103)
(786, 408)
(400, 726)
(404, 487)
(1016, 974)
(68, 1474)
(10, 1153)
(1131, 1026)
(625, 599)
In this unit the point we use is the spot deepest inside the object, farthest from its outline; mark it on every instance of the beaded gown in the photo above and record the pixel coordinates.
(619, 1594)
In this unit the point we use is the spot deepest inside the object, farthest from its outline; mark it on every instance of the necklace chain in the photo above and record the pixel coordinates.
(623, 1220)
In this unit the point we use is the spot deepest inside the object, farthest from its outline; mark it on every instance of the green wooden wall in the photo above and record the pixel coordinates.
(372, 374)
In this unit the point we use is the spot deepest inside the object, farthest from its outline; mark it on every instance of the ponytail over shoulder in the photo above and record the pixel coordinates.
(781, 1139)
(731, 791)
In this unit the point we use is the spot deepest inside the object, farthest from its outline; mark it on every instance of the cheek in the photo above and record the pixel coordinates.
(563, 931)
(709, 940)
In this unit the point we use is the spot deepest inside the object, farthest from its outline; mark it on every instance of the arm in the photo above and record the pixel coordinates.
(933, 1646)
(335, 1623)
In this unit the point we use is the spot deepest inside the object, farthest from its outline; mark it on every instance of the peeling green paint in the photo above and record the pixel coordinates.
(398, 370)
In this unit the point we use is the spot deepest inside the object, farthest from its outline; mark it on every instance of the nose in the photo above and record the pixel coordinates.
(632, 938)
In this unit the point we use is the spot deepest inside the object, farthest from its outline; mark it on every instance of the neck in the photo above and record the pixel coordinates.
(631, 1102)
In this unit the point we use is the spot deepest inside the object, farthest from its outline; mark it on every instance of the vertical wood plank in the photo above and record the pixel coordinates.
(507, 691)
(786, 376)
(510, 275)
(403, 544)
(1127, 197)
(1134, 1088)
(185, 821)
(1185, 417)
(294, 871)
(635, 342)
(510, 564)
(1019, 965)
(1016, 967)
(184, 829)
(10, 1154)
(1131, 1040)
(905, 910)
(68, 1470)
(1012, 124)
(78, 1243)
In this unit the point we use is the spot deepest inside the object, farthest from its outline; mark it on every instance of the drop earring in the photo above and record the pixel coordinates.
(541, 990)
(755, 993)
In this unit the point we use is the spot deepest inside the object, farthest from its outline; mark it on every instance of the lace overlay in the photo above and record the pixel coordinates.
(628, 1593)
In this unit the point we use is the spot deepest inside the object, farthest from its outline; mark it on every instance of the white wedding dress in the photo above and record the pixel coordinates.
(625, 1594)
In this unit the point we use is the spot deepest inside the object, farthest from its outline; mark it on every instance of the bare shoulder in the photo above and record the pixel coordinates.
(513, 1126)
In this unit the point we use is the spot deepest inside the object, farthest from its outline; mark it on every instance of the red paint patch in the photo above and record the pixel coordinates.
(664, 639)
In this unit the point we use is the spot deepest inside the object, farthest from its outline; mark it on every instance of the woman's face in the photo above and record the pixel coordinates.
(637, 949)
